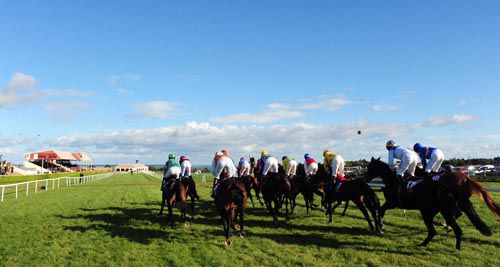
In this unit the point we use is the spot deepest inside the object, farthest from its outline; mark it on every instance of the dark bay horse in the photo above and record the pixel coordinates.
(429, 197)
(275, 191)
(254, 167)
(174, 192)
(190, 186)
(357, 191)
(230, 202)
(463, 187)
(250, 183)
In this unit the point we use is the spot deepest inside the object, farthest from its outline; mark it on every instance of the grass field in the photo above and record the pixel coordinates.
(115, 222)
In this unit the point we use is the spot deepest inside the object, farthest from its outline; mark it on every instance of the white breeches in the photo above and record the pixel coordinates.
(245, 169)
(312, 169)
(173, 171)
(186, 168)
(271, 165)
(434, 163)
(224, 164)
(408, 163)
(337, 166)
(291, 168)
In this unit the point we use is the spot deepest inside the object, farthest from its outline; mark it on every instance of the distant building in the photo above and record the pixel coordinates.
(131, 167)
(57, 161)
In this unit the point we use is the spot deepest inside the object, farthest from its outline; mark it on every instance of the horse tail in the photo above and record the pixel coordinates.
(485, 197)
(370, 195)
(471, 213)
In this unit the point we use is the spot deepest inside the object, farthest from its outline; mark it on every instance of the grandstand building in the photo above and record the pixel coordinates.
(57, 161)
(131, 167)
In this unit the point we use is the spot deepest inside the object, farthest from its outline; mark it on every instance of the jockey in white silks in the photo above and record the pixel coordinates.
(408, 158)
(267, 163)
(310, 165)
(289, 165)
(186, 166)
(222, 163)
(334, 165)
(243, 167)
(435, 157)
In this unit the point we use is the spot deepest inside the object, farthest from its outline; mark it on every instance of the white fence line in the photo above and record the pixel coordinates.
(155, 175)
(54, 183)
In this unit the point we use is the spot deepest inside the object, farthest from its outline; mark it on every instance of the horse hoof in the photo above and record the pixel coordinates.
(229, 242)
(243, 234)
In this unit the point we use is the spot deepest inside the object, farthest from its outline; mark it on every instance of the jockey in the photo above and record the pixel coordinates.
(222, 163)
(434, 155)
(267, 163)
(334, 165)
(171, 168)
(409, 159)
(290, 166)
(186, 166)
(310, 165)
(243, 167)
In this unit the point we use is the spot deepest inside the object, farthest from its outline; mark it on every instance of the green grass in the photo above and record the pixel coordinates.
(114, 222)
(24, 178)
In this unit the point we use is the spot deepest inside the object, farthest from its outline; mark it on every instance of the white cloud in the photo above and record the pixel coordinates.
(331, 103)
(201, 140)
(117, 81)
(462, 118)
(455, 119)
(64, 111)
(275, 112)
(19, 90)
(67, 93)
(153, 110)
(385, 108)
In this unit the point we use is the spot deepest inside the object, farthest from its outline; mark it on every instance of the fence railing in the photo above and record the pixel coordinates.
(46, 184)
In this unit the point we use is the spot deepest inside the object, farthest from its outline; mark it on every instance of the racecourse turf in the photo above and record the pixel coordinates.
(115, 222)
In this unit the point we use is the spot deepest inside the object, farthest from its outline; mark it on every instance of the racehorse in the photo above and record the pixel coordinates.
(429, 197)
(250, 183)
(275, 191)
(174, 192)
(231, 194)
(256, 173)
(190, 186)
(357, 191)
(463, 187)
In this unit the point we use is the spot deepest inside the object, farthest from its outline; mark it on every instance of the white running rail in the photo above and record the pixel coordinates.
(49, 183)
(155, 174)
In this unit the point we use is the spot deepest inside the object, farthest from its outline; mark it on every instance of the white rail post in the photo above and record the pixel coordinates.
(16, 189)
(53, 183)
(3, 192)
(27, 188)
(58, 182)
(46, 185)
(36, 186)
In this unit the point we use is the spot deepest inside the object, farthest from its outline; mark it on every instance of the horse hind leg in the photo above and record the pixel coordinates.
(431, 231)
(362, 208)
(450, 220)
(345, 208)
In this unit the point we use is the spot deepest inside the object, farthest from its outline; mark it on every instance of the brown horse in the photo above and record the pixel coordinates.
(250, 183)
(230, 202)
(174, 192)
(256, 173)
(190, 186)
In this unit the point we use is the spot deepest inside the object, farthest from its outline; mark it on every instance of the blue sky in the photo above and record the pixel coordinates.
(126, 80)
